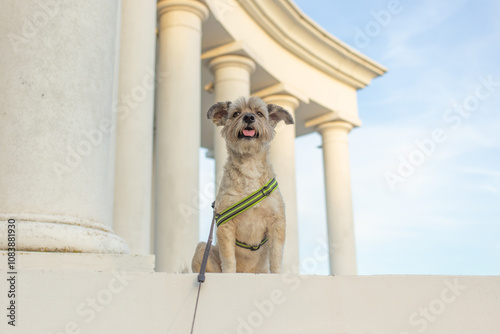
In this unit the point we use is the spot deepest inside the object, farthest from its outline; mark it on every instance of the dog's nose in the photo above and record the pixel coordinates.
(249, 118)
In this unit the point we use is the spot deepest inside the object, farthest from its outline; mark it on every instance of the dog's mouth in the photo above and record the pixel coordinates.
(248, 133)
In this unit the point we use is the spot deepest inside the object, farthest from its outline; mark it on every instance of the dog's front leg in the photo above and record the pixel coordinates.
(226, 238)
(277, 239)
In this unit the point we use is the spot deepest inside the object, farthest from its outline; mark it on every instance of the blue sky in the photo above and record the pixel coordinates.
(438, 109)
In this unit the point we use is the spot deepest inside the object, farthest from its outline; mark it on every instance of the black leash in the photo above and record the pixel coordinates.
(201, 275)
(225, 216)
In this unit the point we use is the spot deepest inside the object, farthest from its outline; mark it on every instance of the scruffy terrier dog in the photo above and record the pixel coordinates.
(248, 130)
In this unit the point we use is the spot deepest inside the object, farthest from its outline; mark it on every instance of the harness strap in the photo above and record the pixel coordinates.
(246, 203)
(252, 248)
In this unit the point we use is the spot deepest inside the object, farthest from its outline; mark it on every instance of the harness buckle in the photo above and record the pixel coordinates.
(251, 247)
(266, 190)
(255, 248)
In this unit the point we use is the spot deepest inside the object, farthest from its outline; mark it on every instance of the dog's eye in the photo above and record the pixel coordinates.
(236, 114)
(260, 114)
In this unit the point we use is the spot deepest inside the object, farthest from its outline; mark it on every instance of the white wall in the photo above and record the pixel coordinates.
(84, 301)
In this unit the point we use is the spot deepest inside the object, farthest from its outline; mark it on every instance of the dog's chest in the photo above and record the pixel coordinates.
(252, 225)
(238, 183)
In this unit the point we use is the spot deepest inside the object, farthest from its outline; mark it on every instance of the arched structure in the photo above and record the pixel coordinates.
(102, 116)
(272, 50)
(92, 170)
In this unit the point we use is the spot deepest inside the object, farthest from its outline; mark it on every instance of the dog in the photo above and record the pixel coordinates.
(248, 128)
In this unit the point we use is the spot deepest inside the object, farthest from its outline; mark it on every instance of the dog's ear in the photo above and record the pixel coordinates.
(218, 113)
(277, 114)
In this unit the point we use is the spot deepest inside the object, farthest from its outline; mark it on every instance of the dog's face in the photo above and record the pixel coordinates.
(248, 123)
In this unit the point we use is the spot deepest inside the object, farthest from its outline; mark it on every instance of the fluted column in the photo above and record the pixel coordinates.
(232, 80)
(178, 131)
(134, 143)
(282, 153)
(57, 87)
(338, 197)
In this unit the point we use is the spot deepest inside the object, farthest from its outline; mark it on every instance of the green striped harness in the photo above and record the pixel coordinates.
(244, 205)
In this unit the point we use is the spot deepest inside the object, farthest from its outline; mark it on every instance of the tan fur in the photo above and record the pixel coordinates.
(247, 170)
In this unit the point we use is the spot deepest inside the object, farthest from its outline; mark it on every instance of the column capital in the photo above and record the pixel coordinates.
(231, 61)
(193, 6)
(286, 99)
(333, 116)
(334, 125)
(282, 88)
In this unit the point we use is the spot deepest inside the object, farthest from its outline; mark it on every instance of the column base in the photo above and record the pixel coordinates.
(47, 233)
(81, 261)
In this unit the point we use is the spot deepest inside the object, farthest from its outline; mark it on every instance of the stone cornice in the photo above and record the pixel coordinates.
(311, 43)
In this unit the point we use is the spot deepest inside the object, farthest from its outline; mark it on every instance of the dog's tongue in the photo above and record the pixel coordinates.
(249, 133)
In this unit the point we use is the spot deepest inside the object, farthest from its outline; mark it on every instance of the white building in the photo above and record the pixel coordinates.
(81, 85)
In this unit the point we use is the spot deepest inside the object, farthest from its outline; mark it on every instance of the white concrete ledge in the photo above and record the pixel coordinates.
(113, 302)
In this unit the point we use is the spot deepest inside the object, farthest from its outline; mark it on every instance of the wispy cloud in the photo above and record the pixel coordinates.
(416, 19)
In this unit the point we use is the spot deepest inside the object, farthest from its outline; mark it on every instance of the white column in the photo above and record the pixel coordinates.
(282, 154)
(178, 131)
(232, 80)
(338, 197)
(56, 124)
(134, 142)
